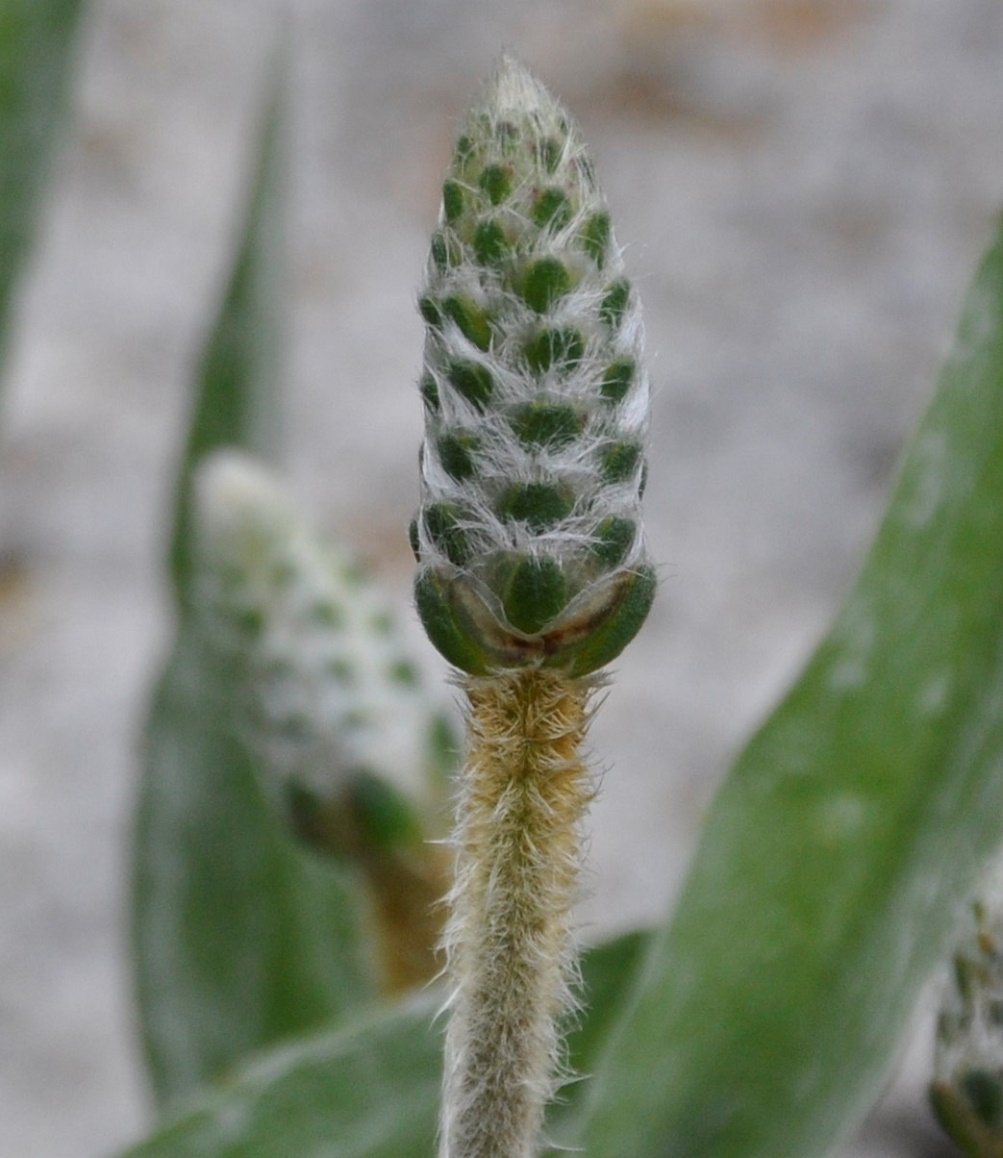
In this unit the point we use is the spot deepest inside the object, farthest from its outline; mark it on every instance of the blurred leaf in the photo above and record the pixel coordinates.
(836, 856)
(240, 939)
(37, 41)
(608, 974)
(370, 1090)
(238, 397)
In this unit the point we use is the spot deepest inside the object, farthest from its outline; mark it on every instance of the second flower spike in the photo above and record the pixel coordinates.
(536, 398)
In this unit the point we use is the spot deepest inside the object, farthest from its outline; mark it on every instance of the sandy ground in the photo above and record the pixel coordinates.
(805, 185)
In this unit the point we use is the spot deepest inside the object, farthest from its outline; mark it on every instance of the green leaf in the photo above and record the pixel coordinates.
(240, 939)
(370, 1090)
(835, 857)
(608, 974)
(237, 403)
(37, 42)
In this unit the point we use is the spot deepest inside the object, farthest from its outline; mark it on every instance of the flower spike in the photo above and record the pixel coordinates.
(536, 400)
(532, 573)
(349, 743)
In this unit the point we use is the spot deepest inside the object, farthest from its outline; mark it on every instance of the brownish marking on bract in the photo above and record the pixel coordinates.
(574, 632)
(513, 650)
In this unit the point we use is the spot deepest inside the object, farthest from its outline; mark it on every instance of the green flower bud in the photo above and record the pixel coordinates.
(529, 537)
(559, 348)
(547, 423)
(545, 282)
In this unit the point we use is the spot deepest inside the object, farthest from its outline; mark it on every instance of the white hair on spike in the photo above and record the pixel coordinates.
(532, 576)
(536, 399)
(329, 689)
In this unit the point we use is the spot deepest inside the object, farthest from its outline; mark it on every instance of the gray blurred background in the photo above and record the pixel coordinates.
(804, 187)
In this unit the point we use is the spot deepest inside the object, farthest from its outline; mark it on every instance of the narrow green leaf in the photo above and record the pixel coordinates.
(370, 1090)
(237, 403)
(37, 42)
(608, 975)
(239, 938)
(835, 858)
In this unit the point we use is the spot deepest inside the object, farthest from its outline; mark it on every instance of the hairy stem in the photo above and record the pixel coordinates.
(511, 962)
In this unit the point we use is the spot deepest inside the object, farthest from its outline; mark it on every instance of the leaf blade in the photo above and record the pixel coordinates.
(370, 1089)
(366, 1091)
(238, 398)
(850, 828)
(239, 938)
(37, 47)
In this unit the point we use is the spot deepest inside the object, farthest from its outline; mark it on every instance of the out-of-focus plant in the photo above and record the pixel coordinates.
(967, 1088)
(533, 574)
(288, 845)
(286, 696)
(37, 43)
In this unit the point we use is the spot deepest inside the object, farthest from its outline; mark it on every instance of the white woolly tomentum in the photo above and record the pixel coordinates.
(533, 573)
(324, 687)
(536, 401)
